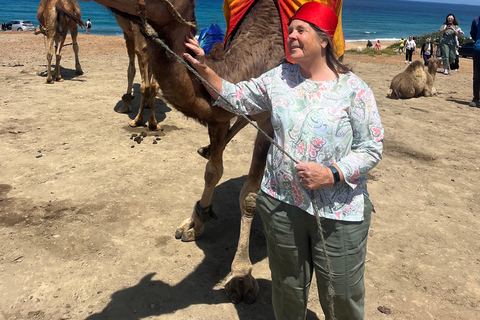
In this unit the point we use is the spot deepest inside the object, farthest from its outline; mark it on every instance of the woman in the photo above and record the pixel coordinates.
(402, 45)
(377, 45)
(449, 30)
(426, 52)
(410, 47)
(326, 117)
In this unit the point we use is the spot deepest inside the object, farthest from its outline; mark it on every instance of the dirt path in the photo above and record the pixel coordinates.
(87, 215)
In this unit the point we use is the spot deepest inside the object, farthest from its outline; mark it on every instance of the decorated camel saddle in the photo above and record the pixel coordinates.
(234, 11)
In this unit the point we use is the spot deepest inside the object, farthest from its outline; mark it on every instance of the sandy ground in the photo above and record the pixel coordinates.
(87, 216)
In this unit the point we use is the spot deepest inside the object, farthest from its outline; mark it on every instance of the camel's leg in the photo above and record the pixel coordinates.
(59, 45)
(49, 59)
(144, 90)
(239, 124)
(74, 34)
(192, 228)
(152, 124)
(241, 285)
(128, 97)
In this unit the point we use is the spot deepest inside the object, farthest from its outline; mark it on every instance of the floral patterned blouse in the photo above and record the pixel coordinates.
(326, 122)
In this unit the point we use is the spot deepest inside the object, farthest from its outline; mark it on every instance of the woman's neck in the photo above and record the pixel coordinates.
(318, 71)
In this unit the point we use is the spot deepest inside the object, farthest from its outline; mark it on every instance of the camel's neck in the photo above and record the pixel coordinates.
(245, 57)
(432, 68)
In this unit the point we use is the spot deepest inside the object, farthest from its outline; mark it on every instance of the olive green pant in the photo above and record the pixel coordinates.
(449, 54)
(295, 250)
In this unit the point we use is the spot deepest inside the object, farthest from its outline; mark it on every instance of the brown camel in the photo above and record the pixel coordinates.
(56, 18)
(414, 81)
(137, 45)
(253, 48)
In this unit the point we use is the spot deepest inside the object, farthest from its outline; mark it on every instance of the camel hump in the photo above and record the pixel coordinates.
(70, 13)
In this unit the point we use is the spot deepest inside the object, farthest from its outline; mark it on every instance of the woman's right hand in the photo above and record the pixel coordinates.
(198, 58)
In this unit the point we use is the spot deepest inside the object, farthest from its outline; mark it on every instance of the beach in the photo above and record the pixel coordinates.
(88, 216)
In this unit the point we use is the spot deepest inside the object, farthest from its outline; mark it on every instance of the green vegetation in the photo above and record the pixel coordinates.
(420, 40)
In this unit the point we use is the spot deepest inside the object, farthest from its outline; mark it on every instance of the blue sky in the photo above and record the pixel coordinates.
(471, 2)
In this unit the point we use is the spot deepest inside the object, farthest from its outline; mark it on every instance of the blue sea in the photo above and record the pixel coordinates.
(362, 19)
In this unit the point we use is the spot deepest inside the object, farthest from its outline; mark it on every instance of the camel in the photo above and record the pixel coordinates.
(137, 45)
(414, 81)
(257, 45)
(56, 18)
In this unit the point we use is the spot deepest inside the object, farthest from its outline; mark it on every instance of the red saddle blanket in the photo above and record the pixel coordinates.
(234, 10)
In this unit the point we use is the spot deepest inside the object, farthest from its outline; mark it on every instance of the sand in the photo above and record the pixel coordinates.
(87, 216)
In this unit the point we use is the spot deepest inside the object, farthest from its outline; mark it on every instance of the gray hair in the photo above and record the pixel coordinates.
(333, 62)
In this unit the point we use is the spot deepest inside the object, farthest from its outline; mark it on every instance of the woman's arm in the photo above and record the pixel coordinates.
(443, 28)
(367, 144)
(246, 97)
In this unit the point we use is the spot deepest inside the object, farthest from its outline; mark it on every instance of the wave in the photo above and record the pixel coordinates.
(372, 39)
(370, 32)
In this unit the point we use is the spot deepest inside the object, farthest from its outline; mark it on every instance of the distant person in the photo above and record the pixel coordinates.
(402, 45)
(427, 50)
(89, 26)
(475, 33)
(369, 44)
(410, 46)
(449, 29)
(377, 45)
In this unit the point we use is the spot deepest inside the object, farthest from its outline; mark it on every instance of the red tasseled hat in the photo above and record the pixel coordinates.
(318, 14)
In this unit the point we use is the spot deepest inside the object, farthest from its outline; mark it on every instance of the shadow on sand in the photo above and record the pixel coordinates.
(153, 297)
(161, 107)
(67, 74)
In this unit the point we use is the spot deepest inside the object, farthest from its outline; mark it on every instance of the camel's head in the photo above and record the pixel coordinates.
(432, 66)
(39, 29)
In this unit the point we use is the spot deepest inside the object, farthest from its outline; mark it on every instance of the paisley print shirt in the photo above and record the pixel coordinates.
(326, 122)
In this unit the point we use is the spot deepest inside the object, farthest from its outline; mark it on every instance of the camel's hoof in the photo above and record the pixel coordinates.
(60, 80)
(240, 288)
(249, 298)
(186, 235)
(134, 124)
(204, 152)
(153, 127)
(79, 72)
(234, 298)
(178, 234)
(49, 82)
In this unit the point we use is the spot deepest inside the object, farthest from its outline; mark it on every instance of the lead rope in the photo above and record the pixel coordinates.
(149, 31)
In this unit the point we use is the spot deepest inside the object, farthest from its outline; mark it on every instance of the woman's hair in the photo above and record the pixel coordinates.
(455, 21)
(332, 60)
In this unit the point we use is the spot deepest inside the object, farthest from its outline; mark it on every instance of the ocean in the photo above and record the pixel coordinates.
(362, 19)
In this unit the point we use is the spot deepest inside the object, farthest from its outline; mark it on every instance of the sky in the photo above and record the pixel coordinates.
(471, 2)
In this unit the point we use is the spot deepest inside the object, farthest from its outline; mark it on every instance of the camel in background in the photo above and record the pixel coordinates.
(244, 57)
(414, 81)
(56, 18)
(137, 45)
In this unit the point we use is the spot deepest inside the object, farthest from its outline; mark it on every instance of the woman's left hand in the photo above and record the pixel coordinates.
(313, 176)
(198, 58)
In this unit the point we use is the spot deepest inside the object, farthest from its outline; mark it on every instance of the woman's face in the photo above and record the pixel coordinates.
(450, 19)
(410, 38)
(303, 42)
